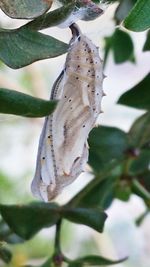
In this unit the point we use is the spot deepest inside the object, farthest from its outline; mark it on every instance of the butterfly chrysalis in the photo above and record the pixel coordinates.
(63, 149)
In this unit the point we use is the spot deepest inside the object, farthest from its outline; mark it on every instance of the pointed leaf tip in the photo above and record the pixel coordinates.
(92, 217)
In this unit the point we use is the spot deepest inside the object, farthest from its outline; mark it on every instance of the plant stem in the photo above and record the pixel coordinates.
(57, 237)
(58, 256)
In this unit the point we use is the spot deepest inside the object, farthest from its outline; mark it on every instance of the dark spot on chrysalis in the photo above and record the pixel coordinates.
(77, 78)
(65, 130)
(83, 126)
(76, 159)
(69, 100)
(43, 158)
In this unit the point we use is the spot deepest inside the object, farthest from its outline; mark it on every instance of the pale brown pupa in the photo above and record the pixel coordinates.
(63, 150)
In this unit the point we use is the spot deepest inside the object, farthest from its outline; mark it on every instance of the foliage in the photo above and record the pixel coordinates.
(119, 160)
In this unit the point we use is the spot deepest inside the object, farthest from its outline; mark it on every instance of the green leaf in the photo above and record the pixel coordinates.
(25, 9)
(7, 235)
(27, 220)
(123, 9)
(147, 43)
(139, 134)
(138, 96)
(94, 218)
(141, 218)
(5, 254)
(123, 190)
(121, 45)
(94, 261)
(96, 193)
(139, 18)
(22, 47)
(52, 18)
(144, 179)
(138, 189)
(13, 102)
(107, 145)
(141, 163)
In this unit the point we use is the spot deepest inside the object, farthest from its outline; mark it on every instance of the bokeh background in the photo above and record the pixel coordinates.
(19, 142)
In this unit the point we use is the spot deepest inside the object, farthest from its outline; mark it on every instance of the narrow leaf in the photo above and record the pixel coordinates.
(27, 220)
(94, 218)
(139, 18)
(13, 102)
(25, 9)
(138, 96)
(94, 261)
(22, 47)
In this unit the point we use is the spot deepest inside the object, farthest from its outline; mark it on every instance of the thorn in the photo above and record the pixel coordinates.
(101, 111)
(103, 93)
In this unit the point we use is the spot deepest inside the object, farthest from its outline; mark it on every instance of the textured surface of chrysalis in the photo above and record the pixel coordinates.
(63, 150)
